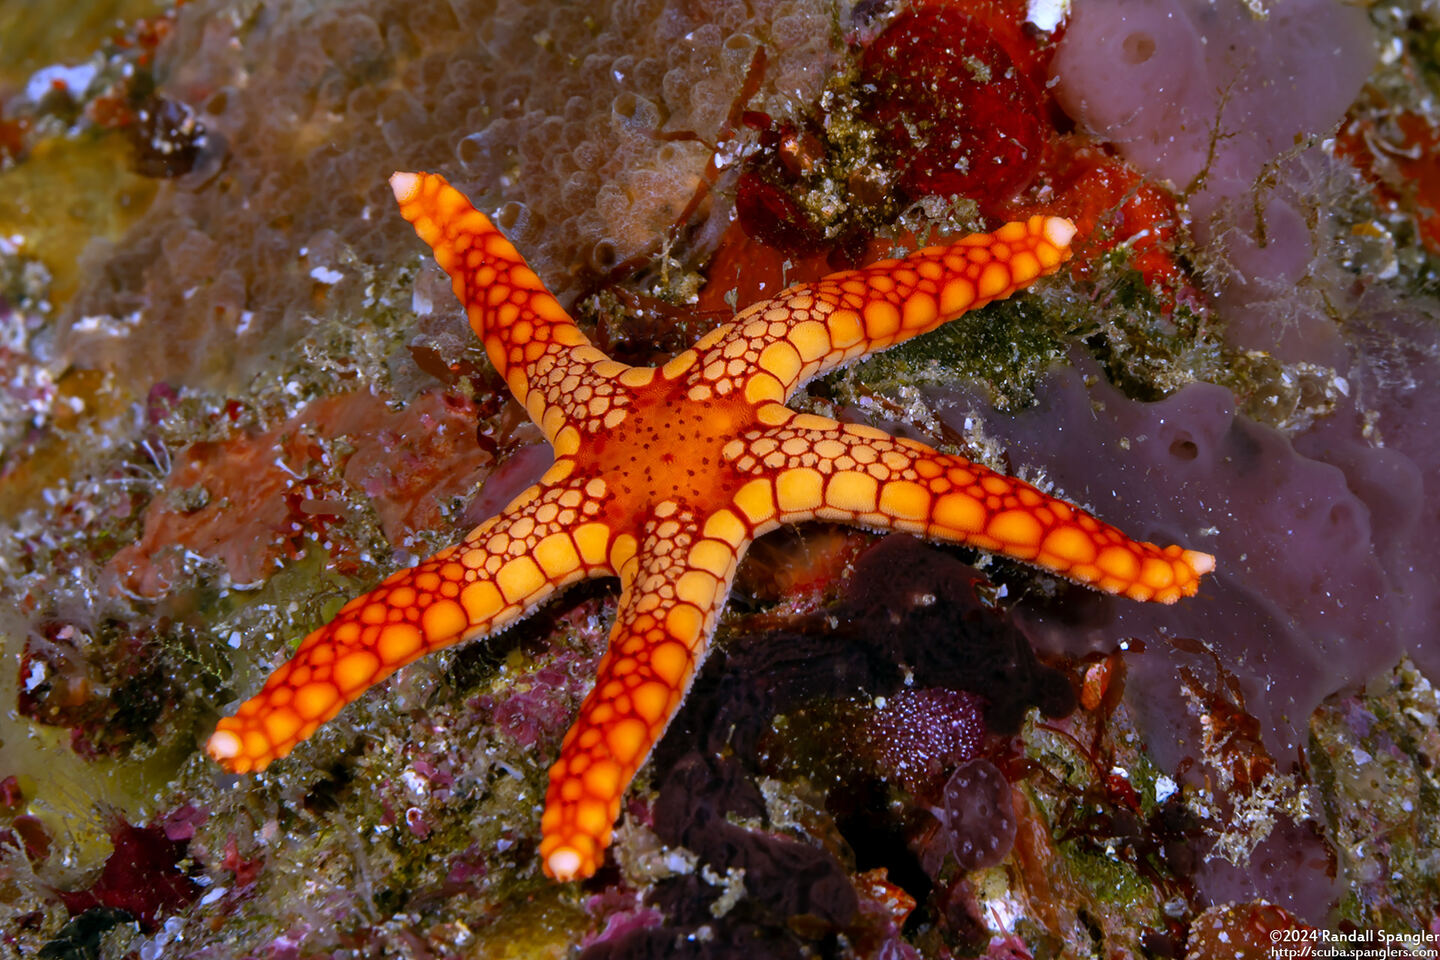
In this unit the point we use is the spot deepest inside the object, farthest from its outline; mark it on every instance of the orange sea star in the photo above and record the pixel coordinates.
(663, 476)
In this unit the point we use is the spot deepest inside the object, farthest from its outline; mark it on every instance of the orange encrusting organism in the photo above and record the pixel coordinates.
(663, 477)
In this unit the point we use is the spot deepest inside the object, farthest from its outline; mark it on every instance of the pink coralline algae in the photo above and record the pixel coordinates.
(144, 877)
(534, 711)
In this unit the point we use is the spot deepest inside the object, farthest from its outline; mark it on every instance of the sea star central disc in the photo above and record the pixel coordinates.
(669, 447)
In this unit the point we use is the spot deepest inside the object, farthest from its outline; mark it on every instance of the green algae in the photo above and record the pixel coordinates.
(1006, 347)
(1114, 883)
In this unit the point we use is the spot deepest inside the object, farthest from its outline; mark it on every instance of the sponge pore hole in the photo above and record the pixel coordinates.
(1137, 48)
(633, 109)
(603, 255)
(515, 219)
(1184, 448)
(1345, 519)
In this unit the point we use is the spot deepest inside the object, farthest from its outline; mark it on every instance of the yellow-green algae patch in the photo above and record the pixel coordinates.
(71, 794)
(69, 192)
(33, 35)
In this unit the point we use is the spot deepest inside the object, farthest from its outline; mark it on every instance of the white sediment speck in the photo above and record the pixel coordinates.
(1164, 788)
(74, 79)
(1047, 14)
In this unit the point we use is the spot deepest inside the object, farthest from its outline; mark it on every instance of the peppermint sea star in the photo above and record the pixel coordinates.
(663, 476)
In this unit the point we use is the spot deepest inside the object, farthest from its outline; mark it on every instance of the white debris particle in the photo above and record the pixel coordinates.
(1047, 14)
(1164, 788)
(73, 79)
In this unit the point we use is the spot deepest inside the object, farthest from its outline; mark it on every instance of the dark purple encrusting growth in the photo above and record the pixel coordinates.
(788, 884)
(916, 606)
(911, 629)
(911, 619)
(784, 878)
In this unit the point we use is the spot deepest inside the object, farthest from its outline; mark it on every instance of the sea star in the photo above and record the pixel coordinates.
(663, 476)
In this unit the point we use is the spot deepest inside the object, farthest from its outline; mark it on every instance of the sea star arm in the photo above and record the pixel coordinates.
(774, 347)
(672, 593)
(547, 538)
(806, 466)
(663, 477)
(552, 369)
